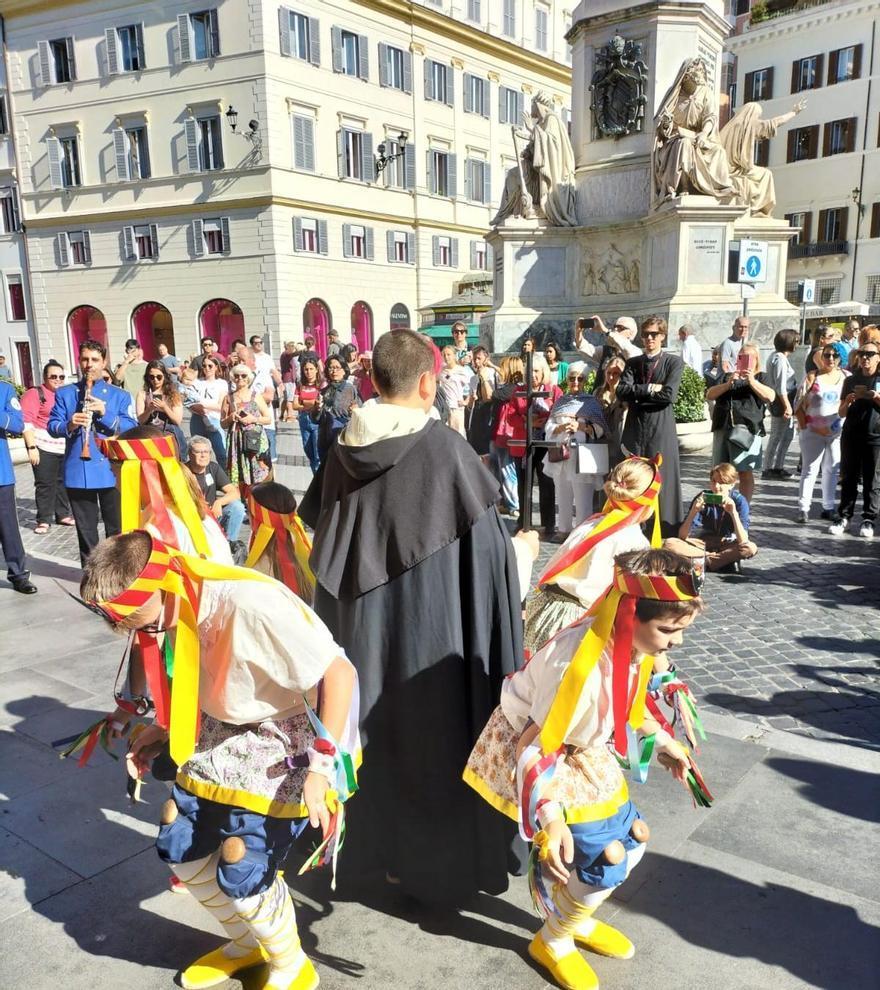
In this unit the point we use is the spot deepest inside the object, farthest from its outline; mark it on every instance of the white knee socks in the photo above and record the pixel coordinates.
(200, 878)
(271, 918)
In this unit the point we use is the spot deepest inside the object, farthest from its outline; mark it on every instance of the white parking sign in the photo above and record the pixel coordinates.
(752, 261)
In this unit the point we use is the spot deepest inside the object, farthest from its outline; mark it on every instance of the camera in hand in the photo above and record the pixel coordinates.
(712, 498)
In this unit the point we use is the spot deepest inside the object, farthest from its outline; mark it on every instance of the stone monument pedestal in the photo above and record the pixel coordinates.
(672, 263)
(629, 254)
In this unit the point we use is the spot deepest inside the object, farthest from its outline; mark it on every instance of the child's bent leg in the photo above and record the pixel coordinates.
(253, 847)
(188, 828)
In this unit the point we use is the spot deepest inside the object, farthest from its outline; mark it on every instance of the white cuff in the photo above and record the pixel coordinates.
(550, 811)
(322, 763)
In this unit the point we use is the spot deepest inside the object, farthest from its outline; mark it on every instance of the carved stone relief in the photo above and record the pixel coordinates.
(618, 87)
(611, 271)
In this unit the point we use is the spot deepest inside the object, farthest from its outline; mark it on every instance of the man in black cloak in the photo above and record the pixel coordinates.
(649, 385)
(417, 577)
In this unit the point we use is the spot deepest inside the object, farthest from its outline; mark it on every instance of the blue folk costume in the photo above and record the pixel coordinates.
(11, 421)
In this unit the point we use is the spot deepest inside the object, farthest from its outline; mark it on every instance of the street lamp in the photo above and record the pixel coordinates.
(383, 160)
(252, 133)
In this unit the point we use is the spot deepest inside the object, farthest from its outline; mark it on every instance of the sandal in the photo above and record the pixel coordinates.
(41, 529)
(67, 521)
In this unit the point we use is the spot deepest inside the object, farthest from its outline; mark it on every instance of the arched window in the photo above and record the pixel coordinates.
(223, 320)
(85, 323)
(151, 325)
(317, 322)
(362, 326)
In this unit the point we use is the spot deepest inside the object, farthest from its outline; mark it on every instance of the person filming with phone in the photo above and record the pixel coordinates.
(738, 417)
(717, 524)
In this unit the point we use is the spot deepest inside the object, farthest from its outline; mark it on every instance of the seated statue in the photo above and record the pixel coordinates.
(753, 183)
(543, 182)
(688, 157)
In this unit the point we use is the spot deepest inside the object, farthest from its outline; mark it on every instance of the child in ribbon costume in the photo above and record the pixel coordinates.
(582, 569)
(544, 760)
(159, 493)
(279, 545)
(258, 766)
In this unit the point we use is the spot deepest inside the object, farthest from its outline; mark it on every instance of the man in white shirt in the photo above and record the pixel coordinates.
(266, 379)
(619, 340)
(691, 352)
(730, 346)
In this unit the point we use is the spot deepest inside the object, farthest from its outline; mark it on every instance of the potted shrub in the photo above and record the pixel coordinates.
(693, 428)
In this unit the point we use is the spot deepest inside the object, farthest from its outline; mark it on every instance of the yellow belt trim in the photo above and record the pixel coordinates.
(573, 816)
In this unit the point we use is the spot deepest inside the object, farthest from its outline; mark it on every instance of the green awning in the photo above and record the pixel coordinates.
(441, 333)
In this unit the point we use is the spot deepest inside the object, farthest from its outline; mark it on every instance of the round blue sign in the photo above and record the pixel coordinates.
(753, 266)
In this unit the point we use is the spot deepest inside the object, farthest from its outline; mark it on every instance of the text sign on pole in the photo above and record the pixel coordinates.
(807, 291)
(752, 261)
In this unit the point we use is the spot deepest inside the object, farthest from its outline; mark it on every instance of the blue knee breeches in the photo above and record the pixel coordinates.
(200, 826)
(590, 840)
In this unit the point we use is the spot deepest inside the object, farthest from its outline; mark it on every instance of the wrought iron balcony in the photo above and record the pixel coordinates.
(817, 250)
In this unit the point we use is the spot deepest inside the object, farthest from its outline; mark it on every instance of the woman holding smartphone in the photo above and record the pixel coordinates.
(160, 404)
(818, 413)
(738, 417)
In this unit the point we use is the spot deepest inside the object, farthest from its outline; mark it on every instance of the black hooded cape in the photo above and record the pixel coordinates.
(417, 581)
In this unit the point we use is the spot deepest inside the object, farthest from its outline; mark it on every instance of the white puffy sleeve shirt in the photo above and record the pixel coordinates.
(262, 650)
(529, 693)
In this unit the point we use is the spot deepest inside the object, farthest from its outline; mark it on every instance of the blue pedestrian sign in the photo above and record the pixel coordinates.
(752, 261)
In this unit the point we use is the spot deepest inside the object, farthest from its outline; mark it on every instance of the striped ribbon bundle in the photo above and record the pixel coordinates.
(152, 464)
(615, 516)
(294, 561)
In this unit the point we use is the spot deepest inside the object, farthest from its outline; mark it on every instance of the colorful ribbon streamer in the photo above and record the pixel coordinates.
(286, 529)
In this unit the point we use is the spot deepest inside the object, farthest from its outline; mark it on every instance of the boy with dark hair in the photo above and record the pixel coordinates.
(417, 579)
(717, 524)
(258, 766)
(544, 758)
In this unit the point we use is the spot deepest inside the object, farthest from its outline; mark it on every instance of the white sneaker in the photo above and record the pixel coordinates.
(839, 528)
(867, 530)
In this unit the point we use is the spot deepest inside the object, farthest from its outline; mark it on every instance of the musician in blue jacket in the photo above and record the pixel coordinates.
(89, 481)
(11, 421)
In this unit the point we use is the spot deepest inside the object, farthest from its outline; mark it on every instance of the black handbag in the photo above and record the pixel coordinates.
(250, 440)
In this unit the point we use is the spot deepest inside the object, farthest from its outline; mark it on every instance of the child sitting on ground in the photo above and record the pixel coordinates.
(720, 529)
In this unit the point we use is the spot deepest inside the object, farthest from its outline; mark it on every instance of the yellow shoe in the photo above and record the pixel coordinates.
(606, 941)
(306, 979)
(572, 971)
(216, 967)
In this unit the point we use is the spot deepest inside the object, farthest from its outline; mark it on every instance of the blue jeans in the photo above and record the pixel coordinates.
(308, 431)
(202, 426)
(231, 519)
(200, 826)
(273, 444)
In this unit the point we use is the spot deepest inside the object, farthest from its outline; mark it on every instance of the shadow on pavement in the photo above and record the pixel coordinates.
(824, 944)
(840, 789)
(827, 712)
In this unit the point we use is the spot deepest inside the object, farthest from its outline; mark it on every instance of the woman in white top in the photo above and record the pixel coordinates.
(211, 389)
(581, 570)
(820, 423)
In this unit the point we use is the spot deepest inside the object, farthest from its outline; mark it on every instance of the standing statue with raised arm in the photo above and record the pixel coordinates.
(542, 183)
(688, 157)
(753, 183)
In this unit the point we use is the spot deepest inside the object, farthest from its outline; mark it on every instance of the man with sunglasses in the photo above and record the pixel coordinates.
(619, 342)
(860, 442)
(45, 452)
(649, 385)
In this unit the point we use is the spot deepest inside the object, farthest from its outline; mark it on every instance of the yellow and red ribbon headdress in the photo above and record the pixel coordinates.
(613, 620)
(147, 463)
(293, 560)
(179, 574)
(616, 515)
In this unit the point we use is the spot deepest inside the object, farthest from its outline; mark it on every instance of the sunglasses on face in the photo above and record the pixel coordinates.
(830, 355)
(55, 378)
(866, 355)
(155, 378)
(652, 333)
(576, 378)
(240, 376)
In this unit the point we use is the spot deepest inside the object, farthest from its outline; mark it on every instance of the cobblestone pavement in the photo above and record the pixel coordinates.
(792, 643)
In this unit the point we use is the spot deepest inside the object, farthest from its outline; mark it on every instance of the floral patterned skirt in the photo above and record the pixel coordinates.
(246, 765)
(588, 782)
(547, 611)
